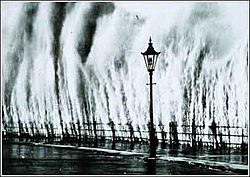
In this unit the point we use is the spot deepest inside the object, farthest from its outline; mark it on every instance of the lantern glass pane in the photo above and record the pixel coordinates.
(150, 62)
(155, 60)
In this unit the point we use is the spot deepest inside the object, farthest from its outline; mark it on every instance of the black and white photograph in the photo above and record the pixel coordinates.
(124, 88)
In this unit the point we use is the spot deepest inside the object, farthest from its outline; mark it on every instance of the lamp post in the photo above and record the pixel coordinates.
(150, 57)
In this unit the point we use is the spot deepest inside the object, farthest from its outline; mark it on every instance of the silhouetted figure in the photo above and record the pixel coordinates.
(200, 145)
(52, 130)
(139, 130)
(222, 143)
(66, 138)
(32, 129)
(137, 17)
(243, 144)
(47, 129)
(20, 128)
(131, 130)
(229, 139)
(79, 129)
(193, 134)
(213, 127)
(74, 130)
(94, 126)
(174, 142)
(37, 134)
(163, 134)
(112, 126)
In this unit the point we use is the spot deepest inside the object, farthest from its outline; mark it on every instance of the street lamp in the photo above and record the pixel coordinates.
(150, 57)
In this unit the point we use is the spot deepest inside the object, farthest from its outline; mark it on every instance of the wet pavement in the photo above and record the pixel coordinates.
(46, 159)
